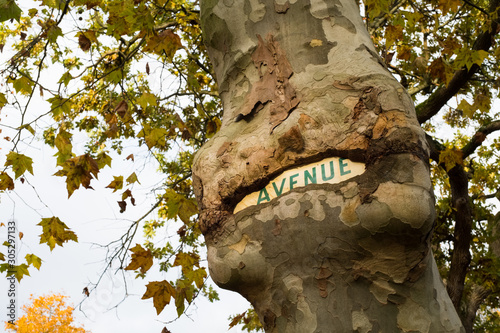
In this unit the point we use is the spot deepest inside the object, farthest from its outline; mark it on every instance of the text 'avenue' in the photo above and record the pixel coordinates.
(331, 170)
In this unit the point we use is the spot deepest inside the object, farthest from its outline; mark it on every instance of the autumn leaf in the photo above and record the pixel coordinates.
(103, 159)
(20, 163)
(55, 232)
(450, 158)
(32, 259)
(116, 184)
(146, 99)
(23, 85)
(3, 100)
(6, 182)
(468, 58)
(166, 42)
(2, 256)
(78, 171)
(141, 259)
(161, 292)
(84, 42)
(18, 271)
(132, 179)
(236, 319)
(64, 146)
(9, 10)
(179, 206)
(187, 261)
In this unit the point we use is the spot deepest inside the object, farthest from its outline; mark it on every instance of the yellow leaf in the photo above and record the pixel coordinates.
(55, 232)
(450, 158)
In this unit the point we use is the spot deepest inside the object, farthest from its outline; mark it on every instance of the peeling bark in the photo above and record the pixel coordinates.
(325, 257)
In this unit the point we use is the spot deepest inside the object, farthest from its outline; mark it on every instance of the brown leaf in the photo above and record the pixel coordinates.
(23, 36)
(147, 68)
(21, 235)
(123, 206)
(237, 319)
(122, 108)
(164, 330)
(84, 42)
(1, 47)
(130, 157)
(86, 292)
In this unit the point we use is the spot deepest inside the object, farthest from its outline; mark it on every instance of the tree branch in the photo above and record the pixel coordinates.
(427, 109)
(479, 137)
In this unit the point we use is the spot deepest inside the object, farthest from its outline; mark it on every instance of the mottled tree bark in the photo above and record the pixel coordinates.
(332, 250)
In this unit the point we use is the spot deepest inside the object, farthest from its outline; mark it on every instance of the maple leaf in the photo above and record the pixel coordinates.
(19, 271)
(450, 158)
(141, 259)
(32, 259)
(132, 179)
(116, 184)
(3, 100)
(6, 182)
(166, 42)
(55, 232)
(64, 146)
(20, 163)
(9, 10)
(161, 292)
(78, 171)
(187, 261)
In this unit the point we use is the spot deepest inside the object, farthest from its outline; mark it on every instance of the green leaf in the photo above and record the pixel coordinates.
(468, 58)
(23, 85)
(20, 163)
(2, 256)
(161, 292)
(65, 78)
(32, 259)
(59, 106)
(55, 232)
(9, 10)
(146, 99)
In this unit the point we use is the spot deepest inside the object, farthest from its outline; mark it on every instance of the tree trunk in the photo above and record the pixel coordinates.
(315, 197)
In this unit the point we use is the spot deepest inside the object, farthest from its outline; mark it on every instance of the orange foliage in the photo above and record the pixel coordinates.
(48, 313)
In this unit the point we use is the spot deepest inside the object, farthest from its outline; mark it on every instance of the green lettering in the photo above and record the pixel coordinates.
(278, 192)
(308, 177)
(292, 182)
(342, 165)
(323, 172)
(263, 196)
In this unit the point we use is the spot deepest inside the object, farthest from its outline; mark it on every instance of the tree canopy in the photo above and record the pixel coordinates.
(123, 72)
(48, 313)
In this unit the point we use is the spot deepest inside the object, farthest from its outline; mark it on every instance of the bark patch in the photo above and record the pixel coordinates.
(273, 87)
